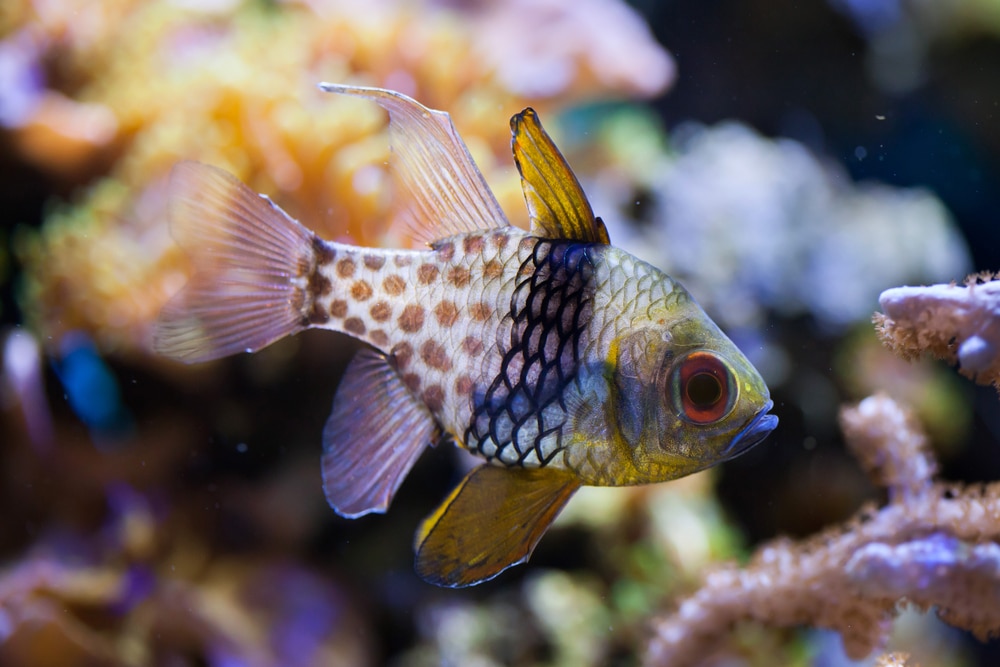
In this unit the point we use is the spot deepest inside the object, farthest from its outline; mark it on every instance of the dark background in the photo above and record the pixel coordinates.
(796, 69)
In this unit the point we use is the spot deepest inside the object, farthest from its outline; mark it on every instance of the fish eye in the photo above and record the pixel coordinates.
(704, 390)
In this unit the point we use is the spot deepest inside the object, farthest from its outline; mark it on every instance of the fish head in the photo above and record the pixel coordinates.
(683, 397)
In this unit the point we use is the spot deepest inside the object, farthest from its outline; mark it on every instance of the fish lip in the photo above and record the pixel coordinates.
(753, 433)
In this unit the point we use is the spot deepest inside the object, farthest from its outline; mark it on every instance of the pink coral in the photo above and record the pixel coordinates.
(956, 323)
(933, 545)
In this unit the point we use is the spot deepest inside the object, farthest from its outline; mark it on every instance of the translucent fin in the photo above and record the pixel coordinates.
(493, 520)
(249, 260)
(447, 194)
(373, 437)
(557, 205)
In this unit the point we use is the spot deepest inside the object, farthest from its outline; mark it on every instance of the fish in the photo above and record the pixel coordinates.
(557, 358)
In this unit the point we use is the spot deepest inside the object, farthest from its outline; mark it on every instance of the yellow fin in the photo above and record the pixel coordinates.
(556, 203)
(492, 520)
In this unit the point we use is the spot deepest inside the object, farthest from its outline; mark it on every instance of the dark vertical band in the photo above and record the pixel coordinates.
(550, 309)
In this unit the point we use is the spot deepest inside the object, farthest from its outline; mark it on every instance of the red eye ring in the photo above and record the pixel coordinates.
(703, 388)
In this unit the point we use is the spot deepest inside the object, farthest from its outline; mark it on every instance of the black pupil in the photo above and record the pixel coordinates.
(704, 390)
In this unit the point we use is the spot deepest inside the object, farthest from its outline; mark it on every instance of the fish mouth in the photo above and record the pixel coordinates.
(753, 433)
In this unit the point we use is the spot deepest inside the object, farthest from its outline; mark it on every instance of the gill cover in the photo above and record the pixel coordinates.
(684, 398)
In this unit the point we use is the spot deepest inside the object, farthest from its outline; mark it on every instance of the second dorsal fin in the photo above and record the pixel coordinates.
(556, 203)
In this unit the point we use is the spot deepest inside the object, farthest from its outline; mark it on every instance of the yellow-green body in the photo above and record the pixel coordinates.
(558, 358)
(447, 318)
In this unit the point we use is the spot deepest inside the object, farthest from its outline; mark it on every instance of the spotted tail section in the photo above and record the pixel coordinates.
(253, 266)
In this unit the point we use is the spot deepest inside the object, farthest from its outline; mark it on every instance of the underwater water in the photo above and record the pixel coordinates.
(787, 162)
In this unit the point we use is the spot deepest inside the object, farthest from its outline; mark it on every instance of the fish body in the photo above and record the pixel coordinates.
(559, 359)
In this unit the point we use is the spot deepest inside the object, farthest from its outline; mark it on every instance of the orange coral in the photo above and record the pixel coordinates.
(233, 84)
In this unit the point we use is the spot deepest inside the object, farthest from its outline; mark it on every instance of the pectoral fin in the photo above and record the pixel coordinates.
(556, 203)
(492, 520)
(374, 435)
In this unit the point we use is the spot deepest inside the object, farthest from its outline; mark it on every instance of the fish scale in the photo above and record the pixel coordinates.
(400, 302)
(557, 358)
(519, 420)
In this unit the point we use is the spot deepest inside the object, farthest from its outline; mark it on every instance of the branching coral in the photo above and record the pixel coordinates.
(957, 323)
(933, 544)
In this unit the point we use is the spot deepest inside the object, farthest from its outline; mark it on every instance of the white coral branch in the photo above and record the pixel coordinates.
(957, 323)
(929, 532)
(889, 445)
(961, 579)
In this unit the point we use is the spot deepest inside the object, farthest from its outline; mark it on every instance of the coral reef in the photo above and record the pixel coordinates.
(112, 559)
(141, 600)
(126, 89)
(892, 660)
(957, 323)
(932, 545)
(197, 534)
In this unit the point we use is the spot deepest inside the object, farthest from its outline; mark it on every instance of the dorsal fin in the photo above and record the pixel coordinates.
(447, 195)
(557, 206)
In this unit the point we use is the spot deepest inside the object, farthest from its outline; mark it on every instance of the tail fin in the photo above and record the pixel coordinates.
(251, 261)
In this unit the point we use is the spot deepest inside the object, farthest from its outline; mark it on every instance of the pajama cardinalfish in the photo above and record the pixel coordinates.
(556, 357)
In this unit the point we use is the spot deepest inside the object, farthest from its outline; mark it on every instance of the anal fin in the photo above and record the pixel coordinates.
(374, 435)
(491, 521)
